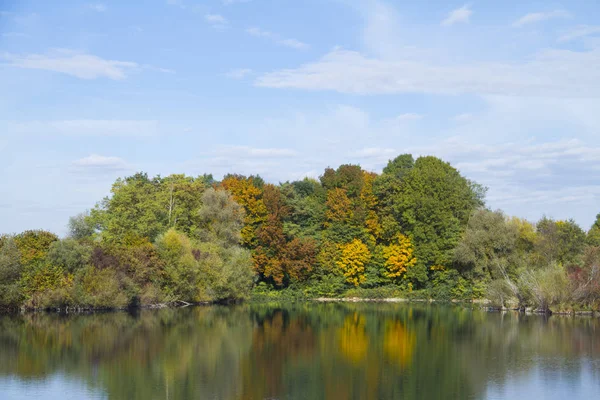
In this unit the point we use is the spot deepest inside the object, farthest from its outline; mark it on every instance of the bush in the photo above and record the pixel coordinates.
(99, 289)
(263, 293)
(328, 286)
(498, 293)
(547, 286)
(151, 294)
(383, 292)
(447, 285)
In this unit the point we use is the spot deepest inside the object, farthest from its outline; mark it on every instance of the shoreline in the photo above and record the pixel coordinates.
(481, 303)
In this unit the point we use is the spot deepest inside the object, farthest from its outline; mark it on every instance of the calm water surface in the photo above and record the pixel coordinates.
(302, 351)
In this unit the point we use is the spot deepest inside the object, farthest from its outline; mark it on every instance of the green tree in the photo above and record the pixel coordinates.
(182, 270)
(81, 226)
(221, 219)
(488, 248)
(593, 235)
(69, 254)
(143, 207)
(559, 241)
(432, 205)
(306, 201)
(10, 273)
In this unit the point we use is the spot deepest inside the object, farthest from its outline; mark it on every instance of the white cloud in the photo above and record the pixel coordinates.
(267, 162)
(217, 21)
(176, 3)
(375, 152)
(253, 152)
(14, 34)
(409, 116)
(238, 73)
(541, 16)
(97, 162)
(543, 74)
(287, 42)
(523, 157)
(460, 15)
(88, 127)
(293, 43)
(465, 117)
(98, 7)
(83, 66)
(158, 69)
(579, 32)
(254, 31)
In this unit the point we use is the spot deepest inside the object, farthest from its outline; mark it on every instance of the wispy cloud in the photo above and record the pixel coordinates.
(98, 7)
(217, 21)
(541, 16)
(352, 72)
(460, 15)
(375, 152)
(99, 163)
(158, 69)
(14, 34)
(464, 117)
(287, 42)
(88, 127)
(579, 32)
(265, 161)
(83, 66)
(176, 3)
(238, 73)
(254, 152)
(409, 117)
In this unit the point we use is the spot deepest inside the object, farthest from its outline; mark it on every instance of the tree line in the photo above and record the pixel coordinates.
(419, 228)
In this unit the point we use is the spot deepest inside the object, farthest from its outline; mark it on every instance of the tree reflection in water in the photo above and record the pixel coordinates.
(300, 351)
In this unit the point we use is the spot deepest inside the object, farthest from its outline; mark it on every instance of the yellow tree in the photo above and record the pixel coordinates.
(339, 206)
(399, 257)
(352, 260)
(369, 200)
(249, 196)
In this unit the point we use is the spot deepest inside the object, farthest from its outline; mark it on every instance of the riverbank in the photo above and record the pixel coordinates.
(292, 297)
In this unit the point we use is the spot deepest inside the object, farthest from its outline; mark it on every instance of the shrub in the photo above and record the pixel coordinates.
(547, 286)
(99, 289)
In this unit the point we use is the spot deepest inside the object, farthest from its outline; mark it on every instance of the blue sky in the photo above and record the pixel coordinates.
(507, 91)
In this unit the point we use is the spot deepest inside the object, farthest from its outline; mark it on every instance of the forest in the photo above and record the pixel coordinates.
(418, 230)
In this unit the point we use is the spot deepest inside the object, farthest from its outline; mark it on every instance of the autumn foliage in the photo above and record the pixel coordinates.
(417, 225)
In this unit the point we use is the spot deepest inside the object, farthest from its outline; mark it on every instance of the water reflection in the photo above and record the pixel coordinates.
(302, 351)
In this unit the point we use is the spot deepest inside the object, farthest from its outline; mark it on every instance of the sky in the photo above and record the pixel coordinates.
(506, 91)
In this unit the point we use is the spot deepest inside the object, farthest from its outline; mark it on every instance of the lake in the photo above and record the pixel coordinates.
(300, 351)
